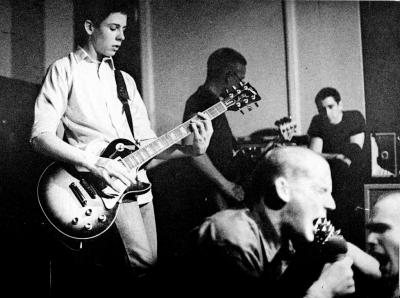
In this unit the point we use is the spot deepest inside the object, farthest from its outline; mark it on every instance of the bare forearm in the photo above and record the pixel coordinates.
(176, 151)
(205, 165)
(332, 155)
(52, 146)
(363, 261)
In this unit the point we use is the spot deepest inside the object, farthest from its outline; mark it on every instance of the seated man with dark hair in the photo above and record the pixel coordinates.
(339, 136)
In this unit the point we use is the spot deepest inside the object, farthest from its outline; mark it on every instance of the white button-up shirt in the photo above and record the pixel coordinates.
(82, 94)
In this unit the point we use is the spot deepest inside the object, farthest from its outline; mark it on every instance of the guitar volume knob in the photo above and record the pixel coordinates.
(102, 218)
(88, 212)
(88, 226)
(75, 221)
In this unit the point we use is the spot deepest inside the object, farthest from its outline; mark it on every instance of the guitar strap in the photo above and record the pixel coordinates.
(123, 97)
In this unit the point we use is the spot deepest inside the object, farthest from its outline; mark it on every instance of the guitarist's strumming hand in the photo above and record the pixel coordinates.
(233, 190)
(113, 172)
(202, 130)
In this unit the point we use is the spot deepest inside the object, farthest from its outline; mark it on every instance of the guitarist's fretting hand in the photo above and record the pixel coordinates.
(113, 173)
(202, 130)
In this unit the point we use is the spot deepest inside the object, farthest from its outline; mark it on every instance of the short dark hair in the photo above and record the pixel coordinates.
(327, 92)
(98, 10)
(221, 59)
(95, 11)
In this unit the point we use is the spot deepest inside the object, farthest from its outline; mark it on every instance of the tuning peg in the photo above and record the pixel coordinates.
(234, 87)
(241, 83)
(241, 111)
(256, 104)
(249, 108)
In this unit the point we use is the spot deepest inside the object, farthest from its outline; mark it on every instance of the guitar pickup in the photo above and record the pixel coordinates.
(89, 188)
(78, 194)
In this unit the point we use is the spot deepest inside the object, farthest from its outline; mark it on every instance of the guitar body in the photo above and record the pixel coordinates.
(77, 210)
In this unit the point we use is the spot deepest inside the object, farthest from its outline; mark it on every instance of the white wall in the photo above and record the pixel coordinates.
(57, 17)
(5, 38)
(184, 33)
(59, 29)
(329, 53)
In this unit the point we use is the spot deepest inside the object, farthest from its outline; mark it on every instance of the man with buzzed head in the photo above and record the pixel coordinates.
(216, 172)
(383, 240)
(247, 249)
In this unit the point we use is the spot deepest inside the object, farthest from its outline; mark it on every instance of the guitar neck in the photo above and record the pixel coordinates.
(149, 151)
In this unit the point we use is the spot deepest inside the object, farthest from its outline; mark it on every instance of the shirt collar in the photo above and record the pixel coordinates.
(84, 56)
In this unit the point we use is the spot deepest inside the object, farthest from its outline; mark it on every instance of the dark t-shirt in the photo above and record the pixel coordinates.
(347, 182)
(220, 149)
(336, 136)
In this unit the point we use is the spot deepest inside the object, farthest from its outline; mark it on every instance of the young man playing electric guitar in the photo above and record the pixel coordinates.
(80, 92)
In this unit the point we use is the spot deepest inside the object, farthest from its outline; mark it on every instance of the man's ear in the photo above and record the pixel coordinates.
(89, 27)
(282, 189)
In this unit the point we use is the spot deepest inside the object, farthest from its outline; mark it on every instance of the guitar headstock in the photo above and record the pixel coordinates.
(286, 127)
(241, 96)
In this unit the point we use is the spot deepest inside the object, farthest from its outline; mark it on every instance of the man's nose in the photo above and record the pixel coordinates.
(121, 35)
(330, 203)
(372, 238)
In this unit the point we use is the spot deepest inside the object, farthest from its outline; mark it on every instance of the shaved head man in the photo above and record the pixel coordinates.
(384, 238)
(250, 248)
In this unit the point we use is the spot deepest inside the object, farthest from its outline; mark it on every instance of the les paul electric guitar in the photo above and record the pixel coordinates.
(81, 206)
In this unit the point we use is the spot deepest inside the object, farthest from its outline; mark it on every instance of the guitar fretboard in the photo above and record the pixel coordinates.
(149, 151)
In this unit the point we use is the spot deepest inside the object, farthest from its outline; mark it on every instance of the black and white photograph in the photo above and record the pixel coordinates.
(214, 148)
